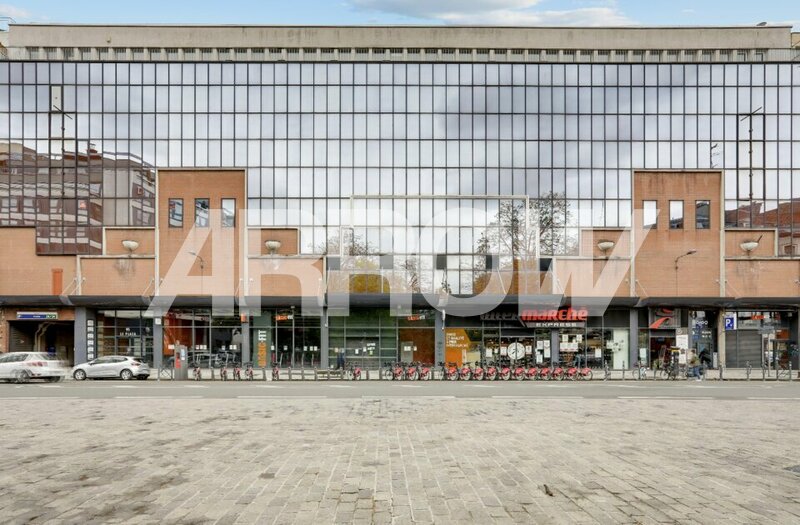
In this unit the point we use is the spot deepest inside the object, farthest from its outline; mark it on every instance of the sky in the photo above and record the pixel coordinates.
(435, 12)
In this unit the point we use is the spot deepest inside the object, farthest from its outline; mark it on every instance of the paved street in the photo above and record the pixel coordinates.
(150, 452)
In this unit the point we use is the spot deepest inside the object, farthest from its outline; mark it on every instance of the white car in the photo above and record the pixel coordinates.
(24, 366)
(112, 366)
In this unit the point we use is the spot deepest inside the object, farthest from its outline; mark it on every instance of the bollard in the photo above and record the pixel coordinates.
(367, 371)
(289, 370)
(212, 373)
(264, 373)
(763, 373)
(790, 368)
(721, 368)
(605, 371)
(749, 369)
(315, 373)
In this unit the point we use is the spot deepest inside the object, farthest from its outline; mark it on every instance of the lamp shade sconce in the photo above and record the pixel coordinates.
(605, 245)
(748, 246)
(130, 245)
(272, 246)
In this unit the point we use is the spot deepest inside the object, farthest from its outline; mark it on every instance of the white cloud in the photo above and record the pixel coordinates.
(497, 12)
(17, 13)
(439, 8)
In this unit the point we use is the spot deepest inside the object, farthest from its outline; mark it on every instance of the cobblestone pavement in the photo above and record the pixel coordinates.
(398, 460)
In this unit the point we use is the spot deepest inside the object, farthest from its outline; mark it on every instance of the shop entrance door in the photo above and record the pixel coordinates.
(660, 343)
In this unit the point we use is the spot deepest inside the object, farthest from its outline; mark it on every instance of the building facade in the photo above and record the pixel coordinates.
(399, 193)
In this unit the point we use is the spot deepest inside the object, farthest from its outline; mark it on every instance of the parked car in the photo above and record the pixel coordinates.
(112, 366)
(24, 366)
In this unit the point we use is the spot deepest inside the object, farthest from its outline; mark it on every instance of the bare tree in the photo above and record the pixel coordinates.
(512, 233)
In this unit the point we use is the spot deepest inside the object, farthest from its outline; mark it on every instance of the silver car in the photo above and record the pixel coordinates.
(112, 366)
(24, 366)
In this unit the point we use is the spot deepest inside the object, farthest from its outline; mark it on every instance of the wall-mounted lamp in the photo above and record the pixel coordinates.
(749, 246)
(130, 246)
(679, 257)
(272, 246)
(605, 245)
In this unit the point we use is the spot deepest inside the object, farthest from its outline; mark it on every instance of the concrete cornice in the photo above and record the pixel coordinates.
(481, 37)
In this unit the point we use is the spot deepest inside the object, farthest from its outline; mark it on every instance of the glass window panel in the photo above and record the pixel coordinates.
(176, 213)
(228, 213)
(201, 213)
(675, 215)
(702, 215)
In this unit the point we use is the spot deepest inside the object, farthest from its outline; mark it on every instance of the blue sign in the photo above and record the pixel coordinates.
(730, 322)
(35, 316)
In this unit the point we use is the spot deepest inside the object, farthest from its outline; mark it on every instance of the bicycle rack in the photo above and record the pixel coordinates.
(167, 371)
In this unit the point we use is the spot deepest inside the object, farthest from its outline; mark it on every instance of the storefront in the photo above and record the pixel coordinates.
(202, 335)
(759, 337)
(543, 336)
(125, 332)
(373, 338)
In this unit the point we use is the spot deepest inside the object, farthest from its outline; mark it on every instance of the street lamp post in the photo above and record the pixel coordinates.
(677, 259)
(202, 269)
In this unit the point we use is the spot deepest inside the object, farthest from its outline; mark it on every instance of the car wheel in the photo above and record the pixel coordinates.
(79, 375)
(126, 375)
(22, 376)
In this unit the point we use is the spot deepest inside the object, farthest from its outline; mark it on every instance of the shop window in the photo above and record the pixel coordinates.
(201, 213)
(176, 213)
(650, 212)
(228, 213)
(702, 215)
(675, 215)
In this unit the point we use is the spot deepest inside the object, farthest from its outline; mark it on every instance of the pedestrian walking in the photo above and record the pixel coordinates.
(340, 360)
(694, 364)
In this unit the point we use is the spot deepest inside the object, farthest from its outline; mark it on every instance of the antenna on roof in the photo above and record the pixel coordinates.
(761, 24)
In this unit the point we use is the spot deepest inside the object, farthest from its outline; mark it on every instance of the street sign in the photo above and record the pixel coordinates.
(730, 322)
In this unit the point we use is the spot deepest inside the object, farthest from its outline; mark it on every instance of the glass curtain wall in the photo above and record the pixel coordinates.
(313, 135)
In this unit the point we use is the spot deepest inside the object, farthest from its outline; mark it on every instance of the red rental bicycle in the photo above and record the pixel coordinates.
(412, 373)
(504, 372)
(584, 374)
(451, 372)
(519, 372)
(532, 372)
(545, 373)
(479, 372)
(425, 372)
(557, 373)
(465, 374)
(491, 372)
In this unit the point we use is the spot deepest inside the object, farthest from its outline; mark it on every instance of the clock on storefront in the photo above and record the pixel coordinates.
(516, 351)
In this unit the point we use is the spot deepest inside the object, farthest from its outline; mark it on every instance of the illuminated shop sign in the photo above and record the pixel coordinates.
(543, 318)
